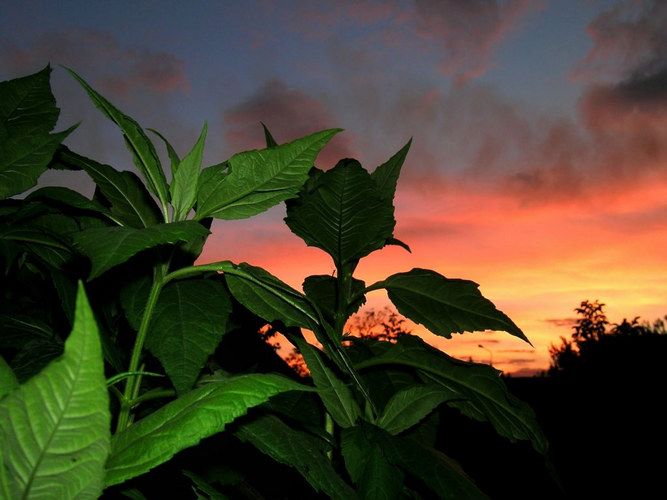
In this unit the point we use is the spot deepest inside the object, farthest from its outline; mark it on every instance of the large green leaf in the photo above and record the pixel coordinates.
(28, 113)
(253, 181)
(184, 184)
(188, 322)
(187, 420)
(475, 389)
(268, 297)
(445, 305)
(55, 427)
(128, 200)
(343, 213)
(337, 397)
(305, 452)
(368, 467)
(143, 152)
(409, 406)
(107, 247)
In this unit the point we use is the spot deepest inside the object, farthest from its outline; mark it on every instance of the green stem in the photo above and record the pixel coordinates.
(153, 394)
(132, 383)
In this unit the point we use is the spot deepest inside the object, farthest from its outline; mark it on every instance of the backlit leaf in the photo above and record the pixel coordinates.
(187, 420)
(55, 427)
(184, 184)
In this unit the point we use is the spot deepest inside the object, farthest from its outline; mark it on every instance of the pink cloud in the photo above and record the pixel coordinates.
(102, 59)
(469, 32)
(288, 114)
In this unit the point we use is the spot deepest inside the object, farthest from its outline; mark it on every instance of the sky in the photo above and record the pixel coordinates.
(538, 167)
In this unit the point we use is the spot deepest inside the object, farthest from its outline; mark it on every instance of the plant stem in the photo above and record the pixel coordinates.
(132, 384)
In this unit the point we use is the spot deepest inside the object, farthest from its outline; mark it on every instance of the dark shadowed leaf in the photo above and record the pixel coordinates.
(28, 113)
(374, 475)
(335, 394)
(268, 297)
(303, 451)
(445, 305)
(187, 420)
(143, 151)
(188, 322)
(342, 212)
(386, 175)
(107, 247)
(322, 290)
(476, 390)
(54, 429)
(253, 181)
(129, 202)
(437, 471)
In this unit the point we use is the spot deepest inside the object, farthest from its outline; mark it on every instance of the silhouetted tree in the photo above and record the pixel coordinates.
(596, 347)
(385, 324)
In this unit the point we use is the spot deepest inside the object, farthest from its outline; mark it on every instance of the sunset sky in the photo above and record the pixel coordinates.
(539, 160)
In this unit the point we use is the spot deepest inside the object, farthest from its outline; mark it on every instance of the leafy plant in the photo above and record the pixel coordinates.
(156, 325)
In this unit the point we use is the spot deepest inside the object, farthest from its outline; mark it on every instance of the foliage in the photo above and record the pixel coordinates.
(157, 326)
(595, 346)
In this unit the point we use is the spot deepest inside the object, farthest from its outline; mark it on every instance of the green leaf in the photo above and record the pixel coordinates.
(171, 152)
(143, 151)
(445, 305)
(386, 175)
(107, 247)
(8, 380)
(253, 181)
(55, 427)
(368, 467)
(335, 394)
(342, 212)
(409, 406)
(28, 113)
(184, 184)
(202, 488)
(68, 198)
(188, 322)
(270, 141)
(305, 452)
(129, 201)
(475, 389)
(322, 290)
(439, 472)
(268, 297)
(187, 420)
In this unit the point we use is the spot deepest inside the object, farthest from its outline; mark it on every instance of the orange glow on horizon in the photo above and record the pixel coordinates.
(536, 263)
